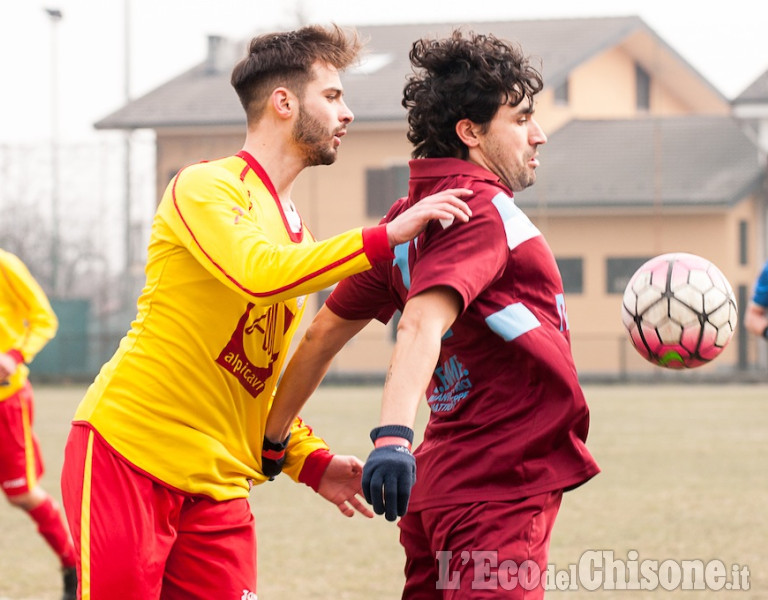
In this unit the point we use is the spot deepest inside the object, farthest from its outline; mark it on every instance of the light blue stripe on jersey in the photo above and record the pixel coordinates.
(516, 223)
(401, 262)
(512, 321)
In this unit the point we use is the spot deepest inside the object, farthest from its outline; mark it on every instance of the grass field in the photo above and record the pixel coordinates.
(684, 477)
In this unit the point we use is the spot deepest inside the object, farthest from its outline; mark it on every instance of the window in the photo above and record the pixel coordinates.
(572, 272)
(562, 93)
(383, 187)
(643, 87)
(619, 271)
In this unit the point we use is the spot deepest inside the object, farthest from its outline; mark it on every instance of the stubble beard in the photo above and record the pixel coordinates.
(313, 139)
(519, 179)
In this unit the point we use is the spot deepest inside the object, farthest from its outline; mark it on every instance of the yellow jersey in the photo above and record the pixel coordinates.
(27, 321)
(186, 396)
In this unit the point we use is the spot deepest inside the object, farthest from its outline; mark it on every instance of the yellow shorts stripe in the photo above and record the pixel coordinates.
(29, 447)
(85, 524)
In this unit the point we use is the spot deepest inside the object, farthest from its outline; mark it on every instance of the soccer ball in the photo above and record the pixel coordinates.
(679, 311)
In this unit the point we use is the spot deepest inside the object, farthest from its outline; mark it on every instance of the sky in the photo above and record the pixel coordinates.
(726, 43)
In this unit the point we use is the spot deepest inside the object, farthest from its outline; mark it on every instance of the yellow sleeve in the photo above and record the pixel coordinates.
(37, 323)
(304, 443)
(235, 237)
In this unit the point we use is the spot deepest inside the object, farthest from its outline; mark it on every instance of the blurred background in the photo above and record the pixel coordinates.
(98, 114)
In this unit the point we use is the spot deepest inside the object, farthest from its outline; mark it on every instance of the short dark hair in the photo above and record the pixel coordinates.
(462, 77)
(286, 59)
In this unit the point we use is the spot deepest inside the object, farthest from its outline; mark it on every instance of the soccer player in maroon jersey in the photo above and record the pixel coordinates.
(27, 324)
(484, 332)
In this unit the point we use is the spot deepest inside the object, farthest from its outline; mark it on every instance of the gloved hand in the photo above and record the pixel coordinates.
(390, 471)
(273, 456)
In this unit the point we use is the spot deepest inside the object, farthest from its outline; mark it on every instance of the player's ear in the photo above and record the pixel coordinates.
(467, 131)
(283, 102)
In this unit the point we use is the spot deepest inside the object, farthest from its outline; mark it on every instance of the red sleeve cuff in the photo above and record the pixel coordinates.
(314, 468)
(16, 355)
(376, 244)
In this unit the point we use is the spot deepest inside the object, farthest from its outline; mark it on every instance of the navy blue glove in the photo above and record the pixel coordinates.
(273, 456)
(390, 472)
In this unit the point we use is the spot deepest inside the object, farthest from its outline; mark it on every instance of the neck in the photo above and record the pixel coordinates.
(279, 160)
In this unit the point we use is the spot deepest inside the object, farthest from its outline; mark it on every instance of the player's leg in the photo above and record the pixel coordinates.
(494, 549)
(21, 466)
(215, 553)
(422, 576)
(123, 522)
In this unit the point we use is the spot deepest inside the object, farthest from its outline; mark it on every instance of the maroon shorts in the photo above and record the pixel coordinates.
(137, 539)
(21, 463)
(479, 550)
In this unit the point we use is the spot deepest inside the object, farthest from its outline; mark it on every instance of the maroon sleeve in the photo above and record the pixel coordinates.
(367, 295)
(467, 257)
(364, 296)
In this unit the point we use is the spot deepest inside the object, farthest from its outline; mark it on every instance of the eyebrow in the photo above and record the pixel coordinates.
(529, 109)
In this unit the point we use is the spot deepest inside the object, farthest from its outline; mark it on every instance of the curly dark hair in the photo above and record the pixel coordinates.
(462, 77)
(286, 59)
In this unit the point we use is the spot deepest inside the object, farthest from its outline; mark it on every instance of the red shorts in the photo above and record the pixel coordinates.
(480, 550)
(21, 463)
(137, 539)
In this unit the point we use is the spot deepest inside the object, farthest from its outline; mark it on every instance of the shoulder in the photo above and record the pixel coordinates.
(207, 181)
(208, 172)
(11, 262)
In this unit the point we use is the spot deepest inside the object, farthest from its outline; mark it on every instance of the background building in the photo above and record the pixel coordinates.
(644, 157)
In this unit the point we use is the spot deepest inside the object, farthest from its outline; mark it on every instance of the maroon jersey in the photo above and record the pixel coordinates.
(508, 417)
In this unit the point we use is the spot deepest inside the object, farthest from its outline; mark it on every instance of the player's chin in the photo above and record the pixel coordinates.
(322, 158)
(330, 155)
(528, 181)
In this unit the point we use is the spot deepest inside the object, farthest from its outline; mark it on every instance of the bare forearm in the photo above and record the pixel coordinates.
(425, 319)
(313, 357)
(410, 369)
(299, 381)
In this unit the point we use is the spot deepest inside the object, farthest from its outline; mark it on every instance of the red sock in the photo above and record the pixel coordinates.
(53, 528)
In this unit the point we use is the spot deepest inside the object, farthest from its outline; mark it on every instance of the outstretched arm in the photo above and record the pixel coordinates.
(390, 470)
(253, 263)
(325, 336)
(425, 320)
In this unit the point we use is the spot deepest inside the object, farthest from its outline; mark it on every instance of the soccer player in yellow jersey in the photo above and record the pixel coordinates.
(168, 439)
(27, 324)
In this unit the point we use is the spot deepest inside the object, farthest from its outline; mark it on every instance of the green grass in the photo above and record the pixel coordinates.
(684, 477)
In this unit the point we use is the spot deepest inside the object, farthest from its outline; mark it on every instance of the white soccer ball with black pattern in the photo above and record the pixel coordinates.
(679, 310)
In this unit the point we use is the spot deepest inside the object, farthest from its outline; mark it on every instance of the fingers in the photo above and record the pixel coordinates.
(391, 496)
(448, 204)
(373, 493)
(445, 206)
(350, 505)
